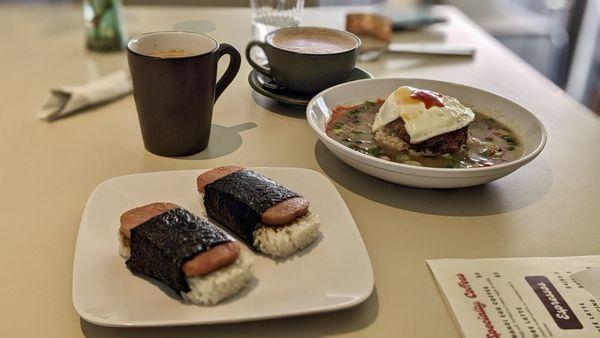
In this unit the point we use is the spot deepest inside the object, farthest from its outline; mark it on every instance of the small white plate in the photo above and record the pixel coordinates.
(333, 274)
(529, 129)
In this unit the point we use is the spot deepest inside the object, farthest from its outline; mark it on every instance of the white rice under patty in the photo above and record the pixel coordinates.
(211, 288)
(285, 240)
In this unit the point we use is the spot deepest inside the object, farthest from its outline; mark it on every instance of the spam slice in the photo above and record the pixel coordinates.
(214, 174)
(285, 211)
(136, 216)
(272, 218)
(184, 251)
(279, 214)
(213, 259)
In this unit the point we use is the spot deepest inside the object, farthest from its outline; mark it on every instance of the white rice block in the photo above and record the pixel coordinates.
(286, 240)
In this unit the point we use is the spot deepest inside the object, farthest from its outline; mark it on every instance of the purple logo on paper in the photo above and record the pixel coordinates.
(555, 304)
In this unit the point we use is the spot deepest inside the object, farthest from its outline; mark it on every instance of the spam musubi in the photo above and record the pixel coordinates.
(268, 216)
(198, 260)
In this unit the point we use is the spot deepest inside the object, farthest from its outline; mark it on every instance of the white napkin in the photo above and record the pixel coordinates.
(590, 280)
(66, 100)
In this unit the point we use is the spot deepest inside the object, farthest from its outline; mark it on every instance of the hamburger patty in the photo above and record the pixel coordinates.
(450, 142)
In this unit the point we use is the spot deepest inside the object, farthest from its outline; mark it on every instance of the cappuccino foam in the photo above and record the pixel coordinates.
(313, 41)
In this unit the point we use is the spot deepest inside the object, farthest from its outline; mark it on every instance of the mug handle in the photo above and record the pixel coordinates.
(232, 69)
(255, 65)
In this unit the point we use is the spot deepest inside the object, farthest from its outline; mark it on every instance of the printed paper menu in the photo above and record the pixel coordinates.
(519, 297)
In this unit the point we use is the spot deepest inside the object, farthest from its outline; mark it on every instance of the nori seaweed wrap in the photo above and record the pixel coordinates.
(238, 200)
(160, 246)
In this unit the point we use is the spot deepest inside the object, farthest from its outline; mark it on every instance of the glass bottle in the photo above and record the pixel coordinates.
(103, 30)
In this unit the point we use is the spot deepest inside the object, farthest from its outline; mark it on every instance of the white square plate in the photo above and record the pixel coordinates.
(335, 273)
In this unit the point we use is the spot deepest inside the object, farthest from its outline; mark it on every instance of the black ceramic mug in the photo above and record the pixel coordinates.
(175, 87)
(307, 59)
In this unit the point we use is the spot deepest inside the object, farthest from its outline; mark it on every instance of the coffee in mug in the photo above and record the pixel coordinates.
(307, 59)
(309, 41)
(172, 53)
(175, 86)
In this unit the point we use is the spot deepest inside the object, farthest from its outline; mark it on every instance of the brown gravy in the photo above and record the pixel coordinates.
(490, 142)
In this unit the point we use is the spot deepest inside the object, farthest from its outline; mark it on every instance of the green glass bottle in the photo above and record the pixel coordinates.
(103, 30)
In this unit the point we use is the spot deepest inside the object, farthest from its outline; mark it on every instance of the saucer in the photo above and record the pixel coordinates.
(264, 85)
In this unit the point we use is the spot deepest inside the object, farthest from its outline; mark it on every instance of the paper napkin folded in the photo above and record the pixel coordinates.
(66, 100)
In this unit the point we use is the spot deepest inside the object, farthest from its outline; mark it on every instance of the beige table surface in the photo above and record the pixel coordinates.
(548, 208)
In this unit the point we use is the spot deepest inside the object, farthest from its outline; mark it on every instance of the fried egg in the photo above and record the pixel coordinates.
(425, 113)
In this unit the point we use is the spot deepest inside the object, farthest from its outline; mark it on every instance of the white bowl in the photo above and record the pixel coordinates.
(529, 129)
